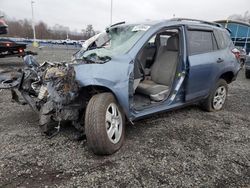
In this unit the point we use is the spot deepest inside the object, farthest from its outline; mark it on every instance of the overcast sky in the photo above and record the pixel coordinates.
(76, 14)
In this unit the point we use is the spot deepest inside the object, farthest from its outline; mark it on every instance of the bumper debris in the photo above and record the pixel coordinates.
(50, 89)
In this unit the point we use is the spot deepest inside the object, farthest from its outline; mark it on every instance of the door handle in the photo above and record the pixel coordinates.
(219, 60)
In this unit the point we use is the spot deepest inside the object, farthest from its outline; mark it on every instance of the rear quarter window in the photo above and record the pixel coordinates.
(223, 39)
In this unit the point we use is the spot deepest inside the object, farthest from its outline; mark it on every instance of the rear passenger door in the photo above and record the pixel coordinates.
(203, 62)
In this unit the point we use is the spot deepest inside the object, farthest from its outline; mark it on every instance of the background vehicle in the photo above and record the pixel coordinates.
(11, 48)
(242, 54)
(131, 71)
(69, 42)
(3, 26)
(247, 67)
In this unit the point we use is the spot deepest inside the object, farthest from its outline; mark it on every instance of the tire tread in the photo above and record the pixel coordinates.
(95, 127)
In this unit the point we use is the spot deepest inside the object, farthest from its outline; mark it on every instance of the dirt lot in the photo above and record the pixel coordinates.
(184, 148)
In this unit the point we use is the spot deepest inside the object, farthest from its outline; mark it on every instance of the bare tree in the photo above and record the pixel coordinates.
(42, 30)
(23, 28)
(244, 18)
(89, 31)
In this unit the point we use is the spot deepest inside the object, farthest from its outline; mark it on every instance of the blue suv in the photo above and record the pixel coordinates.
(131, 71)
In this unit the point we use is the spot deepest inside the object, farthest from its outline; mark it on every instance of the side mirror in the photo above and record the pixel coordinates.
(30, 61)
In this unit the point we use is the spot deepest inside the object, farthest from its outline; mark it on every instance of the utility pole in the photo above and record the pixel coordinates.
(33, 23)
(111, 11)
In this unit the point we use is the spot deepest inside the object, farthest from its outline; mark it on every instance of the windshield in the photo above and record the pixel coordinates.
(114, 41)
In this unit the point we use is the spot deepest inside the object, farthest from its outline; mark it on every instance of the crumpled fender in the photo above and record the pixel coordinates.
(113, 75)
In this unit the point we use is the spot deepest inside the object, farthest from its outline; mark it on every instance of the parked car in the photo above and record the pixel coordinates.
(69, 42)
(247, 67)
(131, 71)
(56, 42)
(3, 26)
(242, 54)
(11, 48)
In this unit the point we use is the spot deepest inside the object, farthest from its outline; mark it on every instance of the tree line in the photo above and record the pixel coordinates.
(23, 29)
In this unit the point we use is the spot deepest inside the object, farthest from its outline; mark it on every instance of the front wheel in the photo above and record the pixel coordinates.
(104, 124)
(217, 97)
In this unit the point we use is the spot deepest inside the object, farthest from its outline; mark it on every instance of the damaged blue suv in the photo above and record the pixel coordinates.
(131, 71)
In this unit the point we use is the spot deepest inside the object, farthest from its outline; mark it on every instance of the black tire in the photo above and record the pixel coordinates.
(207, 104)
(247, 74)
(95, 124)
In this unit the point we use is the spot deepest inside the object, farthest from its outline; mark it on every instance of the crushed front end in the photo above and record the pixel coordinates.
(51, 90)
(56, 94)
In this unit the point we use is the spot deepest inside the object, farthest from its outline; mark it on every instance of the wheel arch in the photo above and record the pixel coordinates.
(227, 76)
(91, 90)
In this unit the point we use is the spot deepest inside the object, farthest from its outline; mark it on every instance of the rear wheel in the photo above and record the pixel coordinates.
(247, 73)
(217, 97)
(104, 124)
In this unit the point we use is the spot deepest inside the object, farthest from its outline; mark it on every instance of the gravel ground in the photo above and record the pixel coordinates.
(183, 148)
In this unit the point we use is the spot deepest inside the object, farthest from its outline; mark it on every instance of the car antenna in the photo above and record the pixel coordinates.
(119, 23)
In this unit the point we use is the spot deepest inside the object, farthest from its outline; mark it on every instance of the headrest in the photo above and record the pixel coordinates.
(173, 43)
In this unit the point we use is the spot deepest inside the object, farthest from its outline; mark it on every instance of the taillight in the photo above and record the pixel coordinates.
(20, 50)
(8, 44)
(236, 53)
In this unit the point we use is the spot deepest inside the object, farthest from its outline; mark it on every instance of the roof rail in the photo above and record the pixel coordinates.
(196, 20)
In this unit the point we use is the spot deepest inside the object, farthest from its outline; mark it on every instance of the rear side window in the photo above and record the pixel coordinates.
(223, 39)
(201, 42)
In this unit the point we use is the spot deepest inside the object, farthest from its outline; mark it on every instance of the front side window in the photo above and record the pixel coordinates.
(201, 42)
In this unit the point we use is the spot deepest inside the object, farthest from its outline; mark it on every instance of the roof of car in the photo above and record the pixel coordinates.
(188, 21)
(175, 21)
